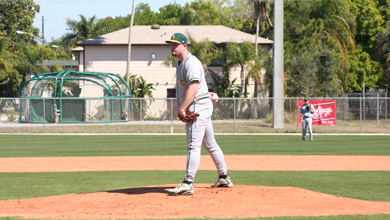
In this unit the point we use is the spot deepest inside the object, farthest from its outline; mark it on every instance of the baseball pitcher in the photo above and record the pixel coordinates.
(195, 109)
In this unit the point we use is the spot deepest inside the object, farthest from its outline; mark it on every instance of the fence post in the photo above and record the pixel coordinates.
(171, 115)
(44, 117)
(377, 108)
(364, 105)
(234, 107)
(360, 108)
(140, 108)
(297, 115)
(386, 108)
(107, 116)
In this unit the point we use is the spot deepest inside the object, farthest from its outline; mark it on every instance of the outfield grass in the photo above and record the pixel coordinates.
(366, 185)
(148, 145)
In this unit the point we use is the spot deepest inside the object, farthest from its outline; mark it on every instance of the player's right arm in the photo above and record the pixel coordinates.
(189, 97)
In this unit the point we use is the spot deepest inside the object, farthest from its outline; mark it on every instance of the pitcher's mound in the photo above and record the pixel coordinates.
(153, 202)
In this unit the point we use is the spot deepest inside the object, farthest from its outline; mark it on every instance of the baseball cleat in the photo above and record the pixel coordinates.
(182, 189)
(223, 183)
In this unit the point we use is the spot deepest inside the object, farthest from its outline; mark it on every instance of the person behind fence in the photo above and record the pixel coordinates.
(307, 111)
(193, 97)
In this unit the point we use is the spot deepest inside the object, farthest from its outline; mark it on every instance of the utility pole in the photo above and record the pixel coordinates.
(278, 78)
(43, 30)
(126, 103)
(129, 45)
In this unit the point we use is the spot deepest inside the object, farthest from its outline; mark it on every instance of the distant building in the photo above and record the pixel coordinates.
(72, 65)
(108, 53)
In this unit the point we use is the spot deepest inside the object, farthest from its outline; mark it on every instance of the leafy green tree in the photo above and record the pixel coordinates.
(199, 12)
(16, 64)
(170, 14)
(238, 55)
(255, 72)
(261, 14)
(10, 78)
(312, 67)
(109, 24)
(363, 69)
(139, 88)
(223, 86)
(369, 21)
(81, 30)
(205, 51)
(17, 15)
(5, 65)
(336, 19)
(383, 52)
(144, 16)
(326, 78)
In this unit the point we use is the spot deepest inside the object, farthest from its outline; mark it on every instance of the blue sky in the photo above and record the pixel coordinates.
(56, 12)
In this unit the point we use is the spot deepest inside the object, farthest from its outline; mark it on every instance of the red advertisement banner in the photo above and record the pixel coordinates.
(324, 114)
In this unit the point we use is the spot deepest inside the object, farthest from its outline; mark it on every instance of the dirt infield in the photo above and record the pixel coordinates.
(241, 201)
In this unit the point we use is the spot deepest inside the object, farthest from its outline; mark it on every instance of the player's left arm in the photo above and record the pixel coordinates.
(312, 109)
(189, 97)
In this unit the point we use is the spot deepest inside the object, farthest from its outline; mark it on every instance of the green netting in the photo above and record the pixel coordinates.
(38, 114)
(72, 110)
(68, 96)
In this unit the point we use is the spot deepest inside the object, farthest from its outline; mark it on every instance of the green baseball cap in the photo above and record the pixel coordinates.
(177, 38)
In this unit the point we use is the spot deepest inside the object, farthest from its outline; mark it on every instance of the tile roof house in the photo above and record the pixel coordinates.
(108, 53)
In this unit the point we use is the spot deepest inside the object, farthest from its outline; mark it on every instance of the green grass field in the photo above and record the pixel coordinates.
(365, 185)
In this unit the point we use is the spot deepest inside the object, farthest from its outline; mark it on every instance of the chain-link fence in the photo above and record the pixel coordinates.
(355, 113)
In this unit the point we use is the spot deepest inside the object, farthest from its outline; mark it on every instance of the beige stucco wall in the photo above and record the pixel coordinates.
(113, 59)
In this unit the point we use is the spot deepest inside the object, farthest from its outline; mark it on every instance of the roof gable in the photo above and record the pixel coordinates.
(146, 35)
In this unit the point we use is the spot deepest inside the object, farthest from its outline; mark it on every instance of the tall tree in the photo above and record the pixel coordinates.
(199, 12)
(81, 30)
(238, 55)
(5, 65)
(205, 51)
(144, 16)
(261, 14)
(369, 22)
(364, 70)
(383, 52)
(17, 15)
(335, 20)
(311, 62)
(170, 14)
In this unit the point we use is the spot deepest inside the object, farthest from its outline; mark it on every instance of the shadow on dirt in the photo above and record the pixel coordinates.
(142, 190)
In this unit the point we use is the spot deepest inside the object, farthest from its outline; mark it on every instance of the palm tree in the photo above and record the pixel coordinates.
(239, 55)
(334, 19)
(205, 51)
(81, 30)
(261, 14)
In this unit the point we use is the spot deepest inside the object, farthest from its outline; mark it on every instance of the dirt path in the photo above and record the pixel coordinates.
(241, 201)
(255, 162)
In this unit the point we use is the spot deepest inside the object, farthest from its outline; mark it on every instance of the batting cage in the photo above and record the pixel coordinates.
(74, 97)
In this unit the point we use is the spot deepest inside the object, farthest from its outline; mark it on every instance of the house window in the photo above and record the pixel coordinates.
(218, 62)
(171, 93)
